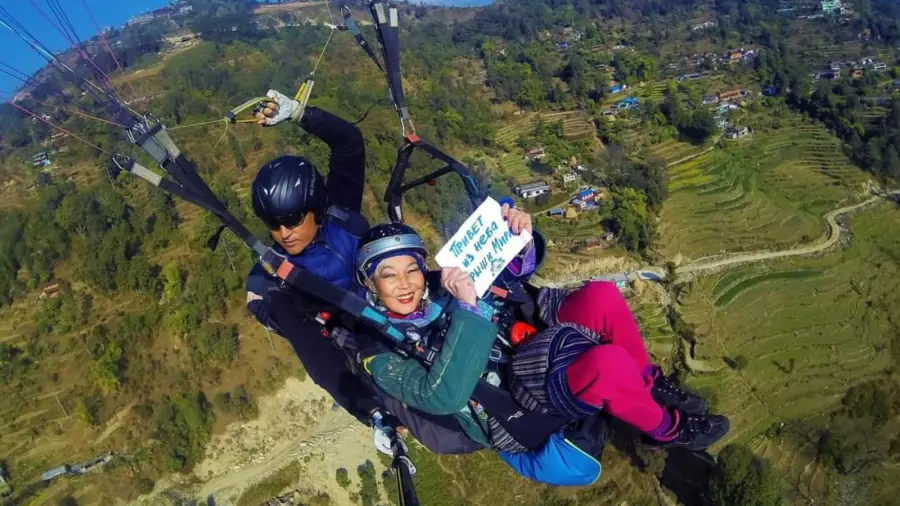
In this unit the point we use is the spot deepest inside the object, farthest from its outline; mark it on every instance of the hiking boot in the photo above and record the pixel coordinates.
(668, 395)
(696, 432)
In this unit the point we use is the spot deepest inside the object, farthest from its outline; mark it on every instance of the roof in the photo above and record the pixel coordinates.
(534, 185)
(586, 193)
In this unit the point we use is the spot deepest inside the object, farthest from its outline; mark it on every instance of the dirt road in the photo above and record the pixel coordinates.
(831, 237)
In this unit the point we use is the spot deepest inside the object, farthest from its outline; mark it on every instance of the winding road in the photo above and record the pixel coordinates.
(831, 237)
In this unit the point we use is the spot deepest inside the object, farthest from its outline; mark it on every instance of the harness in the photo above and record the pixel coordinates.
(501, 416)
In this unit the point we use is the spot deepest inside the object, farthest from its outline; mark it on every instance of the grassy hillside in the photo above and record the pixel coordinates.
(766, 192)
(804, 332)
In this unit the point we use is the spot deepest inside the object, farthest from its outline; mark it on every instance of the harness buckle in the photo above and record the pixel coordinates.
(323, 317)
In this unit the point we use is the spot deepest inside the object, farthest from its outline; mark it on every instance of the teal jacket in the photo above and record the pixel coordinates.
(445, 387)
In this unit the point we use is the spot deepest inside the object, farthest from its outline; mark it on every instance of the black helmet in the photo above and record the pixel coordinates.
(385, 241)
(286, 187)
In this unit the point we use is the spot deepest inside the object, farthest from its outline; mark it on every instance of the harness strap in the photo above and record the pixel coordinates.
(354, 30)
(529, 428)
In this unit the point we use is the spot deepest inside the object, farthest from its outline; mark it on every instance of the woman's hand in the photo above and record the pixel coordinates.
(458, 283)
(518, 220)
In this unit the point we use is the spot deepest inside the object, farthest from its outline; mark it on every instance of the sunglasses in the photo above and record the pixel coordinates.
(290, 221)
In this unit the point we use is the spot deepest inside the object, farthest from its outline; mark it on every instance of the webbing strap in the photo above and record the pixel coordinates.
(387, 24)
(307, 282)
(354, 30)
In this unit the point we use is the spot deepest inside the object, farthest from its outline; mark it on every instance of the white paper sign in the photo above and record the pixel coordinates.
(483, 246)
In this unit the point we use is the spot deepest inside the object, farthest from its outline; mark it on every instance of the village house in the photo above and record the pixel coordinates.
(556, 211)
(737, 132)
(570, 178)
(533, 189)
(703, 26)
(730, 95)
(710, 99)
(538, 153)
(41, 160)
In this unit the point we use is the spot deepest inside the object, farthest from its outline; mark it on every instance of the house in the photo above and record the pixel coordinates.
(533, 189)
(628, 103)
(578, 204)
(828, 75)
(835, 65)
(571, 213)
(857, 73)
(616, 88)
(621, 280)
(831, 6)
(556, 211)
(735, 56)
(581, 168)
(186, 9)
(41, 160)
(730, 95)
(880, 67)
(141, 18)
(710, 99)
(570, 178)
(587, 195)
(703, 26)
(611, 111)
(691, 77)
(50, 292)
(737, 133)
(538, 153)
(55, 472)
(770, 91)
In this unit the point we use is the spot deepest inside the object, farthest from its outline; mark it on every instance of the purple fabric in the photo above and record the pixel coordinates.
(524, 264)
(667, 428)
(469, 307)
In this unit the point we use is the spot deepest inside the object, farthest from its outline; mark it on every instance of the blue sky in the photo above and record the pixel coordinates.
(14, 52)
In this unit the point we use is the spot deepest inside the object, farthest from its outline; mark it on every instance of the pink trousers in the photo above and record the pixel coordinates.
(616, 376)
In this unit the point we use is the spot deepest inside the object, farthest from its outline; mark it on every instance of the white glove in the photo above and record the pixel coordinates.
(288, 108)
(382, 435)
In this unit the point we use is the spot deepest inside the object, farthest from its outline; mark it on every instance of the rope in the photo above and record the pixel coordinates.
(79, 113)
(322, 54)
(193, 125)
(55, 126)
(106, 43)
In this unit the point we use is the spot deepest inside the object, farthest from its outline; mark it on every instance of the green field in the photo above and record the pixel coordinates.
(808, 329)
(766, 192)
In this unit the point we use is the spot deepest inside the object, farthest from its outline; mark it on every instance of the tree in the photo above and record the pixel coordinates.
(173, 282)
(108, 369)
(183, 428)
(743, 479)
(631, 219)
(342, 477)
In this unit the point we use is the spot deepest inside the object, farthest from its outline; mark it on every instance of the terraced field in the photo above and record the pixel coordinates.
(808, 330)
(672, 150)
(767, 192)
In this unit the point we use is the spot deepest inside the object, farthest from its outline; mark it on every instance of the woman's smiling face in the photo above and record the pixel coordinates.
(400, 284)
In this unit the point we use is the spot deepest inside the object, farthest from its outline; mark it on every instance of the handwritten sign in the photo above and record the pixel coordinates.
(483, 246)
